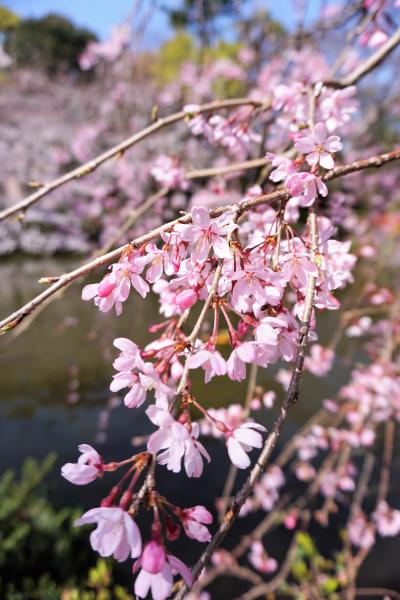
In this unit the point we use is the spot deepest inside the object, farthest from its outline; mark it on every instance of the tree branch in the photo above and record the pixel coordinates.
(368, 65)
(119, 149)
(60, 282)
(290, 399)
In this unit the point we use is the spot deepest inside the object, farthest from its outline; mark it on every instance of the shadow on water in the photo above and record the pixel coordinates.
(54, 382)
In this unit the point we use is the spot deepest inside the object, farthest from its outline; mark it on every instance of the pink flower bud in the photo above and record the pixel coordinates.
(186, 299)
(153, 557)
(105, 287)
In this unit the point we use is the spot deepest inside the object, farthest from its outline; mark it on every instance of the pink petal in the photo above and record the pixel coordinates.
(326, 161)
(196, 360)
(201, 217)
(90, 291)
(181, 568)
(248, 437)
(320, 133)
(305, 145)
(140, 285)
(125, 345)
(142, 584)
(237, 455)
(313, 158)
(221, 247)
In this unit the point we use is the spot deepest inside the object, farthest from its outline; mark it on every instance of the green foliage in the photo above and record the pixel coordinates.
(171, 55)
(200, 16)
(51, 43)
(309, 566)
(42, 555)
(8, 19)
(167, 62)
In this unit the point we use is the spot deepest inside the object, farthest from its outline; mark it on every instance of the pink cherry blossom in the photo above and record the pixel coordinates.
(211, 361)
(304, 188)
(108, 50)
(160, 263)
(283, 167)
(186, 298)
(242, 440)
(320, 361)
(266, 491)
(387, 519)
(136, 395)
(129, 358)
(254, 286)
(138, 376)
(260, 559)
(262, 351)
(232, 417)
(361, 532)
(114, 288)
(297, 269)
(87, 469)
(319, 147)
(167, 172)
(116, 534)
(157, 570)
(175, 442)
(194, 521)
(337, 106)
(205, 233)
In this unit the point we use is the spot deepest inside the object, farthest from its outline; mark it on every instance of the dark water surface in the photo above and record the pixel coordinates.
(54, 380)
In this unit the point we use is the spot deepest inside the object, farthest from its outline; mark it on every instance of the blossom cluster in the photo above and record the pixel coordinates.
(244, 271)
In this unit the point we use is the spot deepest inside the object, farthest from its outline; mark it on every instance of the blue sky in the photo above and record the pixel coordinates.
(101, 15)
(98, 15)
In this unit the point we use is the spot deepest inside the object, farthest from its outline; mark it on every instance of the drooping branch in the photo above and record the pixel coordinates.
(119, 149)
(57, 283)
(366, 67)
(271, 441)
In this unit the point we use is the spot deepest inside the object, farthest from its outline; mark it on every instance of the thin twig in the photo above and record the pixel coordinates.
(368, 65)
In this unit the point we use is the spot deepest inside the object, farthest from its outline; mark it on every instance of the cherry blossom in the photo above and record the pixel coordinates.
(194, 521)
(387, 519)
(114, 288)
(242, 440)
(304, 188)
(211, 361)
(87, 469)
(260, 559)
(176, 443)
(206, 233)
(157, 570)
(266, 491)
(320, 361)
(361, 532)
(116, 534)
(167, 172)
(319, 147)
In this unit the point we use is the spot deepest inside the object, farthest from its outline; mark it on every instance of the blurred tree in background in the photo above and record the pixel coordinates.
(52, 43)
(201, 16)
(8, 19)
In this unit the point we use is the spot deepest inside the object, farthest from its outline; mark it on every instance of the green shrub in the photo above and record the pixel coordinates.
(42, 555)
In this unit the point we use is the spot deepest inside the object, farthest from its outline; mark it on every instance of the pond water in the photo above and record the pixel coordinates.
(54, 380)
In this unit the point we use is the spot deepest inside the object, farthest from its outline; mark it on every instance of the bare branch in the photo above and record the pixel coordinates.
(368, 65)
